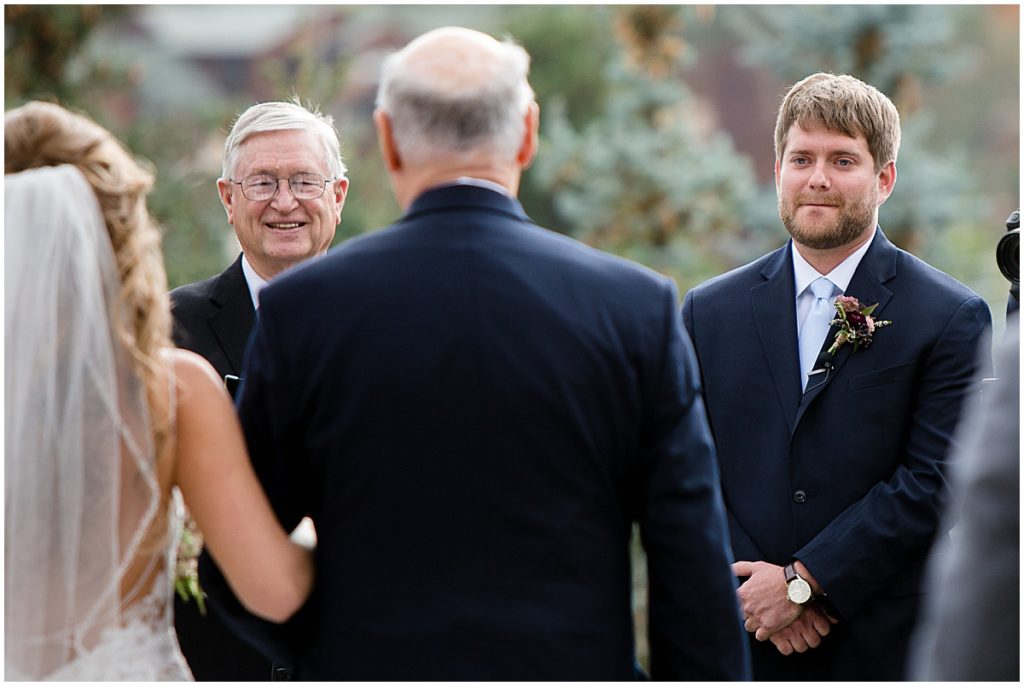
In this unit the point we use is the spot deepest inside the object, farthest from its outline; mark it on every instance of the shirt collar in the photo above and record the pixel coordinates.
(255, 282)
(473, 181)
(804, 273)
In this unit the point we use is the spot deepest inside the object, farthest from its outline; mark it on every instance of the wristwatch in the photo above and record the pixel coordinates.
(797, 588)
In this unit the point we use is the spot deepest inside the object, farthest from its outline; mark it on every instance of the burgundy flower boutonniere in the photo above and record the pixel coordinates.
(856, 325)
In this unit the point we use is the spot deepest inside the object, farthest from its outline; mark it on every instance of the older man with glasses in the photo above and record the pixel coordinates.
(283, 186)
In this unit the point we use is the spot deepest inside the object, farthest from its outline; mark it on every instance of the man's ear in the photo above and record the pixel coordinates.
(528, 148)
(340, 191)
(386, 140)
(224, 188)
(886, 182)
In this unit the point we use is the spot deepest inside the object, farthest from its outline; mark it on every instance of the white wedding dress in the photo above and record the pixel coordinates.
(85, 514)
(144, 647)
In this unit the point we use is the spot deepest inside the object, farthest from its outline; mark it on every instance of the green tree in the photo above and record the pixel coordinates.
(647, 177)
(899, 49)
(568, 46)
(40, 42)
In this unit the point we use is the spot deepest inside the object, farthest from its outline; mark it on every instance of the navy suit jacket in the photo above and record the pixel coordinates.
(848, 477)
(474, 411)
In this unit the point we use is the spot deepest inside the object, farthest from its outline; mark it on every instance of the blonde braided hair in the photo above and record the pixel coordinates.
(41, 134)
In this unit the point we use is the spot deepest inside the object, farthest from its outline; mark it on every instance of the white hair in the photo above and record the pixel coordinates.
(284, 116)
(428, 119)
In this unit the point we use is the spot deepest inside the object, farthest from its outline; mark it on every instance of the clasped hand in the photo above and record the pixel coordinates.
(769, 614)
(805, 632)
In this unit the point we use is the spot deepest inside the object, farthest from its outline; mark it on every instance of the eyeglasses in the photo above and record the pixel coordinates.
(304, 186)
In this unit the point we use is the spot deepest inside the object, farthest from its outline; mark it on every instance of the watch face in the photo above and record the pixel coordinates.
(798, 591)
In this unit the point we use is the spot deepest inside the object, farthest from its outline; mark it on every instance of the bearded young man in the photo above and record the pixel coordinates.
(832, 432)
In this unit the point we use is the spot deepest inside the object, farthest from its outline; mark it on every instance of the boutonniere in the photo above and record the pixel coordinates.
(856, 325)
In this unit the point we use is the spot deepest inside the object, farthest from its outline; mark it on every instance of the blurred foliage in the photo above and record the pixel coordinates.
(198, 241)
(648, 177)
(39, 44)
(895, 49)
(643, 182)
(43, 60)
(579, 47)
(634, 157)
(370, 203)
(302, 70)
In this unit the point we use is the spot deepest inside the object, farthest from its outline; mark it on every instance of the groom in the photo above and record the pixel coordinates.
(474, 411)
(832, 454)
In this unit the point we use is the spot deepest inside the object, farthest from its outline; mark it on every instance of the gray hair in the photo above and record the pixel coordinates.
(284, 116)
(427, 119)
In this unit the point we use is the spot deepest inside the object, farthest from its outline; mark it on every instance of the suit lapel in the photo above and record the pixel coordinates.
(775, 318)
(867, 285)
(232, 322)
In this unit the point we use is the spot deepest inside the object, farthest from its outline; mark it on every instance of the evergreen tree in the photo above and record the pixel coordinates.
(901, 50)
(650, 177)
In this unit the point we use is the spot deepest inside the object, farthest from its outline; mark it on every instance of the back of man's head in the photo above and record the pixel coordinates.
(844, 104)
(454, 92)
(284, 116)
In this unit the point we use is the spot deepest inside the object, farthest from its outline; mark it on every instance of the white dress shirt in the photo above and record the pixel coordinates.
(804, 274)
(255, 282)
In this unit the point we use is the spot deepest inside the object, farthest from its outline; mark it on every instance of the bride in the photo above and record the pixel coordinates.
(103, 418)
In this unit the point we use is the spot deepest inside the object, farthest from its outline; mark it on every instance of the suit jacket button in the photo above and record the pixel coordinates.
(800, 496)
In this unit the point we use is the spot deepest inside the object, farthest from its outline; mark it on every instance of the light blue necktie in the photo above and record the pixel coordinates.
(816, 326)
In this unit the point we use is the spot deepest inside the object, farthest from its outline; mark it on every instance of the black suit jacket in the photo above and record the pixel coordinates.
(213, 318)
(474, 411)
(849, 476)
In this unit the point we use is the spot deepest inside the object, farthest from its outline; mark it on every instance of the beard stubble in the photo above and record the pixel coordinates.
(853, 220)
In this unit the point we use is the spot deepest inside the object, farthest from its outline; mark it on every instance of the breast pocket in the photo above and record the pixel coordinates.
(882, 377)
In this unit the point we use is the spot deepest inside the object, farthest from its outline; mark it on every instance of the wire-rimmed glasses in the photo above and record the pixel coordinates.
(304, 186)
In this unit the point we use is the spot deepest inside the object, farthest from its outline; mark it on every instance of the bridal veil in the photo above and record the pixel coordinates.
(80, 488)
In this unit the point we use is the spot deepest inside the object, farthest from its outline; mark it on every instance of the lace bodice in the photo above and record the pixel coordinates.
(144, 647)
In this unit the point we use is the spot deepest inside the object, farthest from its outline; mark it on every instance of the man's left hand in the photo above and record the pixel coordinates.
(805, 633)
(763, 598)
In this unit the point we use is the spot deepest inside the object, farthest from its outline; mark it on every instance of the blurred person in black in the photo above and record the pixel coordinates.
(970, 626)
